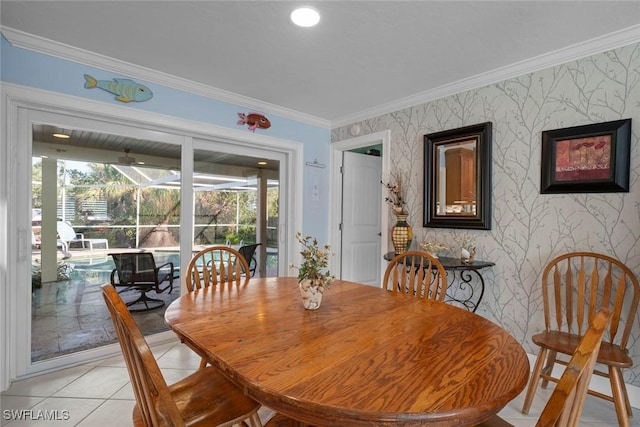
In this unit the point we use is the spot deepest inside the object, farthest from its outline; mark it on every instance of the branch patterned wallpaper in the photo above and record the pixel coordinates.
(529, 228)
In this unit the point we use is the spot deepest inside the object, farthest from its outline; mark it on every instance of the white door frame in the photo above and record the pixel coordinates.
(335, 234)
(17, 104)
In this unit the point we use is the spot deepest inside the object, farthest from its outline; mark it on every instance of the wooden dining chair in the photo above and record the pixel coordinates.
(564, 407)
(416, 273)
(205, 397)
(574, 287)
(217, 264)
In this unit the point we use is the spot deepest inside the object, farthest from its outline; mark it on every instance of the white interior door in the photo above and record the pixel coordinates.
(361, 225)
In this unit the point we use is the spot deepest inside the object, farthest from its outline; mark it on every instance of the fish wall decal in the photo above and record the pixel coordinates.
(254, 121)
(126, 90)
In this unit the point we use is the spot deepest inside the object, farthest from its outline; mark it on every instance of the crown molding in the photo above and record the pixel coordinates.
(577, 51)
(561, 56)
(38, 44)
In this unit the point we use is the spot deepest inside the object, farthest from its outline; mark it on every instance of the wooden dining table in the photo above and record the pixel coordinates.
(366, 357)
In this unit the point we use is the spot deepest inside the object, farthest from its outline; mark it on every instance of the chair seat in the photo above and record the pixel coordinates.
(193, 394)
(563, 342)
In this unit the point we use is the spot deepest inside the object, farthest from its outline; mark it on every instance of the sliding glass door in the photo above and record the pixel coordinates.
(118, 185)
(96, 194)
(237, 201)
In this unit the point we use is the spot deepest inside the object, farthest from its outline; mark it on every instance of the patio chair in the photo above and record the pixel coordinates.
(416, 273)
(67, 236)
(249, 254)
(138, 271)
(565, 404)
(205, 397)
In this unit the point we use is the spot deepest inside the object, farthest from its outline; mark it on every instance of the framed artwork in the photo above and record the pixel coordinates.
(587, 159)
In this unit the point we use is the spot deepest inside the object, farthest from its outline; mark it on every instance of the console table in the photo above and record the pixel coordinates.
(461, 286)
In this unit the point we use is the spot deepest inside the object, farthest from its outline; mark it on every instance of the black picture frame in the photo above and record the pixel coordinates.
(592, 158)
(476, 211)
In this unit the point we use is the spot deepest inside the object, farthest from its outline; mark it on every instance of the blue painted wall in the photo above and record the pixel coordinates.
(28, 68)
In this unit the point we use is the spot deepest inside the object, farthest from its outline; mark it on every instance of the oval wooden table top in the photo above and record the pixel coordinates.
(366, 357)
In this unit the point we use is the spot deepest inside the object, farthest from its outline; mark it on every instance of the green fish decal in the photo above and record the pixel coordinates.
(125, 90)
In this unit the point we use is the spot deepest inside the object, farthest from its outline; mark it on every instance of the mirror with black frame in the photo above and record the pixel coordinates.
(457, 178)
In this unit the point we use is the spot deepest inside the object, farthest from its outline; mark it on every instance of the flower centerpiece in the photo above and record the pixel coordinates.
(313, 274)
(433, 248)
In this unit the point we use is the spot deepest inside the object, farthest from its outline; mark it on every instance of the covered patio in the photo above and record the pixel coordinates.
(106, 200)
(92, 196)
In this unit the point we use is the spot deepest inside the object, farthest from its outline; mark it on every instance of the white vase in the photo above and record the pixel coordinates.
(311, 294)
(467, 256)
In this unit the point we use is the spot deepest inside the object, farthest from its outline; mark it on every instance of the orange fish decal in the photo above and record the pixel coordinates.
(254, 120)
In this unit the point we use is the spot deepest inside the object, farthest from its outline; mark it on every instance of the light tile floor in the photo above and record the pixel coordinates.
(99, 394)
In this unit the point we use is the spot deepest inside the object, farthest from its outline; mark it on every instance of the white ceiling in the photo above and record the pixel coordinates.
(363, 58)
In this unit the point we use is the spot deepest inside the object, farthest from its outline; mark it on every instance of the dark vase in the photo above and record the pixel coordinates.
(401, 234)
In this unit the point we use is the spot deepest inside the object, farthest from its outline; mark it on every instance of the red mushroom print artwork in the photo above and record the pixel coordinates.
(254, 121)
(583, 158)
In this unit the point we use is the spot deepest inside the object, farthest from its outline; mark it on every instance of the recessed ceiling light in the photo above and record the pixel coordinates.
(262, 163)
(61, 135)
(305, 17)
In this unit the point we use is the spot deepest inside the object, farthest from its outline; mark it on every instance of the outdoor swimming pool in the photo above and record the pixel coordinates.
(99, 267)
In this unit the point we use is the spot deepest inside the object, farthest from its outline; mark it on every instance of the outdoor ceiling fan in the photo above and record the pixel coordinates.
(126, 160)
